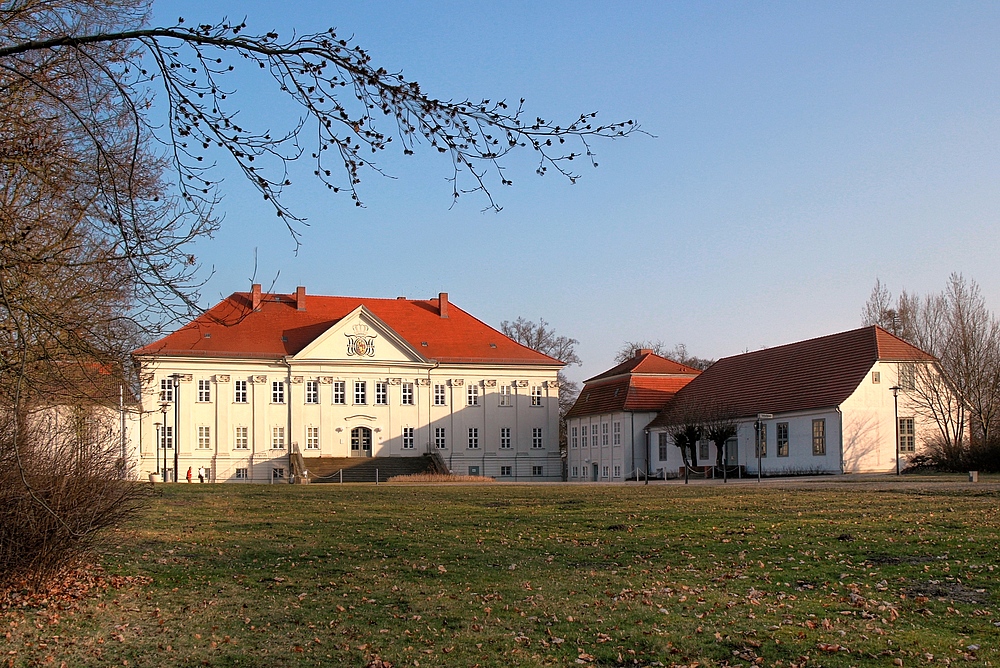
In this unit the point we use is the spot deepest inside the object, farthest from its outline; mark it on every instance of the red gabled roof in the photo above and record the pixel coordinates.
(644, 382)
(645, 363)
(808, 375)
(277, 328)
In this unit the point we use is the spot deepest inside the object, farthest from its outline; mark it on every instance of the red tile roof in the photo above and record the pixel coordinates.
(277, 328)
(814, 374)
(645, 382)
(645, 363)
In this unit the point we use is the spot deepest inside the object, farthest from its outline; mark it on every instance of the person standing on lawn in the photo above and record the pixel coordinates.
(201, 474)
(189, 475)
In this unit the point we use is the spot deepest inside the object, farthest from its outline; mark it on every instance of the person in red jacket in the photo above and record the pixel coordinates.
(189, 475)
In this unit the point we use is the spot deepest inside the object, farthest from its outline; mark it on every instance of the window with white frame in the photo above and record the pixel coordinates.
(381, 393)
(204, 390)
(618, 471)
(360, 392)
(473, 438)
(312, 391)
(407, 394)
(604, 471)
(583, 435)
(167, 438)
(781, 439)
(278, 473)
(472, 395)
(277, 392)
(312, 438)
(537, 470)
(819, 437)
(439, 395)
(240, 392)
(536, 395)
(574, 440)
(593, 435)
(167, 389)
(439, 440)
(604, 433)
(407, 438)
(536, 438)
(505, 438)
(506, 471)
(505, 395)
(907, 440)
(663, 441)
(703, 449)
(907, 376)
(241, 440)
(277, 438)
(618, 433)
(576, 472)
(204, 438)
(242, 474)
(340, 392)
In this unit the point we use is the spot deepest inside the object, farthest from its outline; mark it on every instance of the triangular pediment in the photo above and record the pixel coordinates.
(360, 336)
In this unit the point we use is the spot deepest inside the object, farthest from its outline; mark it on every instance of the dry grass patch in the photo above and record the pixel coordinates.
(440, 477)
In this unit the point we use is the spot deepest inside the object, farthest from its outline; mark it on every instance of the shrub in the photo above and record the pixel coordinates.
(62, 483)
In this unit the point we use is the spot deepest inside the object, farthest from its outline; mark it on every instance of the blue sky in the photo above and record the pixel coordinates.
(801, 150)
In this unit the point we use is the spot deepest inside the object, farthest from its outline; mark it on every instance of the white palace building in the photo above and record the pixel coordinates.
(260, 377)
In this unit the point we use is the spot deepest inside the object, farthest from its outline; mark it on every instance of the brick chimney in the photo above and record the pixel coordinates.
(639, 352)
(300, 298)
(255, 296)
(443, 304)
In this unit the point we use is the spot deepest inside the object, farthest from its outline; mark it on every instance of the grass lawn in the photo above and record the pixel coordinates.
(832, 573)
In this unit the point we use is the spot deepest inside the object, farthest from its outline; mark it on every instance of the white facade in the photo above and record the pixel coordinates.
(858, 436)
(607, 447)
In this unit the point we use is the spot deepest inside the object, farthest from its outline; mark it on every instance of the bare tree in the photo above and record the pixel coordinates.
(679, 353)
(719, 425)
(109, 132)
(686, 435)
(543, 338)
(962, 390)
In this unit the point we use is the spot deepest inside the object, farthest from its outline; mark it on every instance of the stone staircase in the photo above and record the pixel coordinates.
(363, 469)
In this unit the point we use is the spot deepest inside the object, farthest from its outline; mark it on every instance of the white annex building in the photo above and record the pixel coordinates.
(606, 427)
(835, 404)
(827, 405)
(260, 377)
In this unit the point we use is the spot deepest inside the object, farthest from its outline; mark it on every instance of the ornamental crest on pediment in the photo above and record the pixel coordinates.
(360, 341)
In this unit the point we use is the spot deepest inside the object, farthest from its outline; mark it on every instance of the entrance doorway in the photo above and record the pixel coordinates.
(594, 472)
(361, 442)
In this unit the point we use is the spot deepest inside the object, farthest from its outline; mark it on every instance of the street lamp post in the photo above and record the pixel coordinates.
(895, 415)
(177, 420)
(163, 440)
(156, 452)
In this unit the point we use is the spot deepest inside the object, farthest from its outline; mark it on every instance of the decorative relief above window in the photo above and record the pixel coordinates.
(522, 383)
(489, 383)
(457, 382)
(221, 378)
(296, 380)
(552, 383)
(423, 381)
(259, 379)
(325, 380)
(361, 341)
(395, 381)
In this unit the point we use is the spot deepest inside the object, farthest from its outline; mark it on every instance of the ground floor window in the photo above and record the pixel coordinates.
(312, 438)
(536, 437)
(663, 443)
(604, 472)
(439, 440)
(407, 438)
(505, 438)
(505, 471)
(474, 439)
(277, 473)
(703, 450)
(576, 471)
(204, 438)
(819, 437)
(277, 438)
(781, 436)
(242, 474)
(473, 470)
(907, 441)
(618, 472)
(536, 470)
